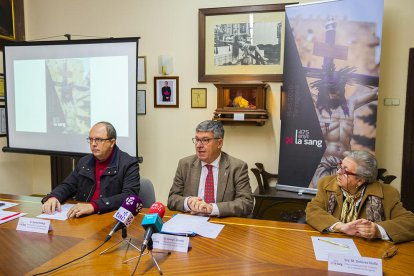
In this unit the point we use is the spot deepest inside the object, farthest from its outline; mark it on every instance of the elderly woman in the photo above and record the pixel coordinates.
(354, 203)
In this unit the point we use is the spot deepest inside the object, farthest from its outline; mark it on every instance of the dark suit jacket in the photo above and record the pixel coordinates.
(118, 181)
(234, 194)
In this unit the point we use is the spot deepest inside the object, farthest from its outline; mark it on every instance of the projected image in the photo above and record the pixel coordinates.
(68, 95)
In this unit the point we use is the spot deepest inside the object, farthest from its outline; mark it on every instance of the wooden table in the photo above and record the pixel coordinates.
(244, 247)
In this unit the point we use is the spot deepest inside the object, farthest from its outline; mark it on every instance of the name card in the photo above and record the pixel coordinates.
(354, 264)
(170, 242)
(238, 116)
(34, 225)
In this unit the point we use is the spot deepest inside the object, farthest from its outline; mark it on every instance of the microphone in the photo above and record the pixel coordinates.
(152, 222)
(131, 206)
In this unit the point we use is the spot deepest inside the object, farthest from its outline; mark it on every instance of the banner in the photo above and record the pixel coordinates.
(330, 86)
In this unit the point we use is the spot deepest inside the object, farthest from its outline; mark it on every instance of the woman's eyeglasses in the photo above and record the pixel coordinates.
(344, 171)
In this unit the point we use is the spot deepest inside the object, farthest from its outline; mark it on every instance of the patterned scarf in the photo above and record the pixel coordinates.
(349, 210)
(374, 207)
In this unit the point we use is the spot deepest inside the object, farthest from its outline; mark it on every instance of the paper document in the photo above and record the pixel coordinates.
(208, 229)
(190, 225)
(6, 216)
(6, 204)
(323, 246)
(58, 215)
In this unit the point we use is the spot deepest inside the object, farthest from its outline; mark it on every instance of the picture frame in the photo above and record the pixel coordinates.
(3, 126)
(198, 97)
(12, 23)
(142, 70)
(2, 88)
(168, 96)
(230, 49)
(141, 102)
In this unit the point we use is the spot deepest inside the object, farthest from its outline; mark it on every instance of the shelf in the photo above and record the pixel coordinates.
(241, 103)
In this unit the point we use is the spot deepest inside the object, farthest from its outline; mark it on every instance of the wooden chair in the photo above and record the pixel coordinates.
(256, 173)
(265, 176)
(386, 179)
(271, 204)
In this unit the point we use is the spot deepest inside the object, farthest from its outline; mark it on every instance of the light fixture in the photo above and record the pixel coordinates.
(165, 64)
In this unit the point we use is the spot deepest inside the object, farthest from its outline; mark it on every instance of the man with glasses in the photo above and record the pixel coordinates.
(354, 203)
(211, 182)
(102, 179)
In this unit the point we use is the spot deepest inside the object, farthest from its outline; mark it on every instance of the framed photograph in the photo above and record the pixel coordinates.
(141, 102)
(166, 92)
(241, 43)
(3, 129)
(12, 20)
(142, 70)
(198, 97)
(2, 87)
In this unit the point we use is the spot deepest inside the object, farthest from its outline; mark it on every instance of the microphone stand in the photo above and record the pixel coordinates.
(149, 251)
(124, 239)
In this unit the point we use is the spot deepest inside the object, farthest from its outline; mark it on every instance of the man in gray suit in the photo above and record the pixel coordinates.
(211, 182)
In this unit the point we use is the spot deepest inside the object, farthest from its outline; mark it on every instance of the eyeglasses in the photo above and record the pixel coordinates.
(203, 141)
(98, 141)
(390, 252)
(342, 170)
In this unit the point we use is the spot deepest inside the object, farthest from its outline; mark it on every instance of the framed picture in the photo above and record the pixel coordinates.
(2, 87)
(141, 102)
(3, 128)
(198, 97)
(241, 43)
(142, 70)
(12, 20)
(166, 92)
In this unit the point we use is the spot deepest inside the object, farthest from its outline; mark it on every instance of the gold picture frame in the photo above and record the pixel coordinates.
(229, 29)
(2, 87)
(198, 97)
(12, 20)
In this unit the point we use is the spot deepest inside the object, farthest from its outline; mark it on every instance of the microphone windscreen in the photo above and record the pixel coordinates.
(158, 208)
(133, 204)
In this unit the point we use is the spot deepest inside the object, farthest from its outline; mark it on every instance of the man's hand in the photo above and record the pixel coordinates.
(192, 201)
(199, 207)
(80, 209)
(51, 205)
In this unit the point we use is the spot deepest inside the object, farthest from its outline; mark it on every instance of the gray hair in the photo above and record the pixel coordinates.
(211, 126)
(110, 130)
(367, 164)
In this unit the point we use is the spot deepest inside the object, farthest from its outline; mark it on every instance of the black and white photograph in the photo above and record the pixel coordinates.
(248, 40)
(141, 102)
(142, 70)
(3, 129)
(247, 44)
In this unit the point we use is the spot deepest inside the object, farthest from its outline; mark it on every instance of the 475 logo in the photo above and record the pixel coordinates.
(302, 137)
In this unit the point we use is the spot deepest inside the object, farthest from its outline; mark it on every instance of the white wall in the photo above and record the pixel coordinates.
(171, 27)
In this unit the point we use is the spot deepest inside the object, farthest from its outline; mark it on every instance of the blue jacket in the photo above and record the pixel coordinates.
(120, 179)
